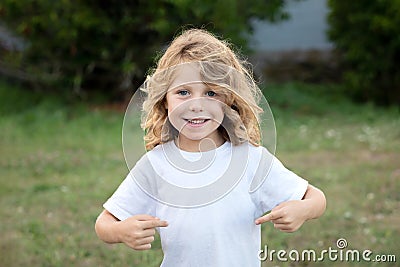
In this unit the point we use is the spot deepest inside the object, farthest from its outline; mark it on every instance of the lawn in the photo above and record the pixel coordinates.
(59, 162)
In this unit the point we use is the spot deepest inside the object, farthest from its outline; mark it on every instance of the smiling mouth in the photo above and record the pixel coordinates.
(196, 121)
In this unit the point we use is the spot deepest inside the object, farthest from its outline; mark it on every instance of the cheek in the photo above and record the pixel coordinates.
(175, 108)
(221, 114)
(174, 113)
(217, 110)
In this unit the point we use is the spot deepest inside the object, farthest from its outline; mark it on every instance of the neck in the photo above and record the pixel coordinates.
(202, 145)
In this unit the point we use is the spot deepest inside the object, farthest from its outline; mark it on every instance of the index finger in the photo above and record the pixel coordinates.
(154, 223)
(266, 218)
(273, 215)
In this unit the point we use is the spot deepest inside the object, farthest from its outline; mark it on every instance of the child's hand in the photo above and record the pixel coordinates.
(287, 216)
(138, 231)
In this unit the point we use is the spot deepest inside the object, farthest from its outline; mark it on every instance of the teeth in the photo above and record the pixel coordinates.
(196, 121)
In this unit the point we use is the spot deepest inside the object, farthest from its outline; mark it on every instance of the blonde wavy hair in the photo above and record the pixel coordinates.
(221, 70)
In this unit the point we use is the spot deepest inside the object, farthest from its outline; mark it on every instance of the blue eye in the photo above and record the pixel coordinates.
(211, 93)
(183, 92)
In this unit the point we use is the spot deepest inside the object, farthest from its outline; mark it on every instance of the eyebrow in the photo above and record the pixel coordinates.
(187, 84)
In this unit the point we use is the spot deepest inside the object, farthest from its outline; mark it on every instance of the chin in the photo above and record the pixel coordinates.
(195, 137)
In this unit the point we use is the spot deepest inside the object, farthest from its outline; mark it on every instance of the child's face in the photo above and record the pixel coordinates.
(194, 109)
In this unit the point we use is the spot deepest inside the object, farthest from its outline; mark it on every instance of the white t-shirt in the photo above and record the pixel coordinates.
(210, 223)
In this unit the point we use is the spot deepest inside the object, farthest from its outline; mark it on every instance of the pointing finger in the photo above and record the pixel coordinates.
(144, 217)
(265, 218)
(154, 223)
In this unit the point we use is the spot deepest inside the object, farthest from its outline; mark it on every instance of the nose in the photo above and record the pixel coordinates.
(196, 105)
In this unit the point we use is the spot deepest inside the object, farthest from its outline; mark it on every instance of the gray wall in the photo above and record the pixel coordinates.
(305, 29)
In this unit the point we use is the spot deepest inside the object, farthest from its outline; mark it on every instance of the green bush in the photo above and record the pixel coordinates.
(367, 34)
(107, 46)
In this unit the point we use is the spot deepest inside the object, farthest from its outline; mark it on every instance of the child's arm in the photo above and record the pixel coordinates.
(136, 232)
(290, 215)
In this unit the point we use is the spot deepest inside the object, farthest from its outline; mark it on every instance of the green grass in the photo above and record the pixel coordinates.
(59, 162)
(350, 151)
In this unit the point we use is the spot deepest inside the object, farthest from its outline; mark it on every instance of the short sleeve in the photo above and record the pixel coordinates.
(279, 185)
(129, 199)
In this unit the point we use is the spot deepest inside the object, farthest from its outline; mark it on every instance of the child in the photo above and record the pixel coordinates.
(205, 182)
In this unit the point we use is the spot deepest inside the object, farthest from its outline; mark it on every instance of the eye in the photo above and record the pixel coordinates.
(211, 93)
(183, 92)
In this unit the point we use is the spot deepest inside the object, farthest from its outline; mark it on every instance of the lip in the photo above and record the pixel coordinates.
(196, 122)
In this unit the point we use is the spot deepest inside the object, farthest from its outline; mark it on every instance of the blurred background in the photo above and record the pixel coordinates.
(329, 70)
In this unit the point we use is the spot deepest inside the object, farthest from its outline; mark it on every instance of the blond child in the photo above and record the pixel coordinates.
(205, 183)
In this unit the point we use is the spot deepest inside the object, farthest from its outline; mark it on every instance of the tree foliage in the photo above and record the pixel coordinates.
(107, 46)
(367, 33)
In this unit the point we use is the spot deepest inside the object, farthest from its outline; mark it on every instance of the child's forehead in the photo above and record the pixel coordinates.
(203, 72)
(186, 74)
